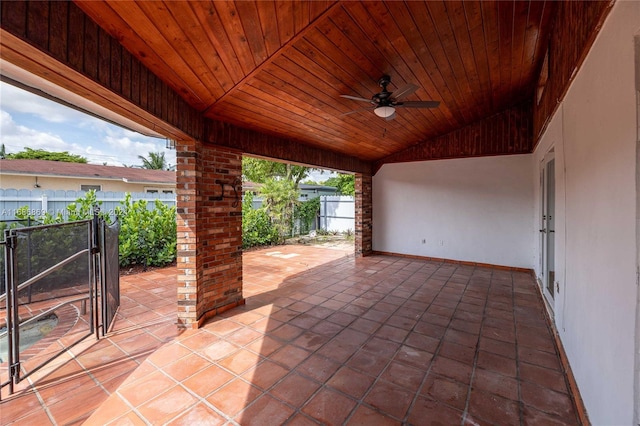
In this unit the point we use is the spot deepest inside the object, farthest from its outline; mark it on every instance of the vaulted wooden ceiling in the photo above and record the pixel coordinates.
(279, 67)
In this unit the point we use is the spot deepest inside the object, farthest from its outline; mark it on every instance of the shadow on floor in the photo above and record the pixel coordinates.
(377, 340)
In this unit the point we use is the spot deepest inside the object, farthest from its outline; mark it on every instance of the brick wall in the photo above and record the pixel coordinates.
(187, 176)
(209, 231)
(363, 222)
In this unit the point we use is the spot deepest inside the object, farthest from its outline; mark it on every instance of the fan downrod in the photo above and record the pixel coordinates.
(384, 81)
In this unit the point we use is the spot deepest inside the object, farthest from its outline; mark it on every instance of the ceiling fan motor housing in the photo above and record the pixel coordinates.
(383, 98)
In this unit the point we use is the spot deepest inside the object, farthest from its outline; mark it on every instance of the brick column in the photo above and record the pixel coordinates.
(187, 175)
(209, 231)
(364, 225)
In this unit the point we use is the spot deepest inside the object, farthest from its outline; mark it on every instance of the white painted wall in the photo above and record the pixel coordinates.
(594, 138)
(477, 210)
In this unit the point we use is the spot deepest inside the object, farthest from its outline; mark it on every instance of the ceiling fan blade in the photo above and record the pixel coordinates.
(405, 90)
(356, 110)
(391, 117)
(417, 104)
(355, 98)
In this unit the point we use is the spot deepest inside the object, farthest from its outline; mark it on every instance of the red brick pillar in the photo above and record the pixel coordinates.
(364, 207)
(209, 231)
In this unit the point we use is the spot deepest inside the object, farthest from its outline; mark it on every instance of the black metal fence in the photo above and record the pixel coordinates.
(60, 285)
(109, 274)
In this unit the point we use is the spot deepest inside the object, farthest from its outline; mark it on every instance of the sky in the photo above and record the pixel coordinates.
(28, 120)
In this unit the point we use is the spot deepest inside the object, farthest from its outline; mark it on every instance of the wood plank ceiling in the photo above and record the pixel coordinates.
(279, 67)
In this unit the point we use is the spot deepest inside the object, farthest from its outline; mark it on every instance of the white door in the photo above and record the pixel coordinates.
(547, 227)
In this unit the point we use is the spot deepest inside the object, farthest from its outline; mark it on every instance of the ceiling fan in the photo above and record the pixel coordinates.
(384, 104)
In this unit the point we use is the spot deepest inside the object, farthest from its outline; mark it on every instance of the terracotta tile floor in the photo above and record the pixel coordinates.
(323, 339)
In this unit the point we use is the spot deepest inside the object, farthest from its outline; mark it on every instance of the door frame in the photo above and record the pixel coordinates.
(547, 229)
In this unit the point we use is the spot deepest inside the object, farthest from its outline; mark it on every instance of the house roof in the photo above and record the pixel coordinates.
(92, 171)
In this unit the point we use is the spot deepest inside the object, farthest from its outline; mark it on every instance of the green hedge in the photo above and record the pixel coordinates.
(257, 229)
(147, 237)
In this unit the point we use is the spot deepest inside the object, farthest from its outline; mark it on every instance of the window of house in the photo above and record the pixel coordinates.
(90, 187)
(151, 190)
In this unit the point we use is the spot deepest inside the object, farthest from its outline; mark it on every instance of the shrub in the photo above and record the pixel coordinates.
(257, 229)
(147, 237)
(279, 200)
(306, 212)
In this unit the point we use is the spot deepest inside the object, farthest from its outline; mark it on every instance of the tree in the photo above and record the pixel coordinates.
(280, 197)
(280, 189)
(156, 161)
(3, 152)
(260, 171)
(41, 154)
(257, 227)
(345, 183)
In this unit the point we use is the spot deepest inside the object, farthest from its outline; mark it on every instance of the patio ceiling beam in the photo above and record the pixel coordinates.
(277, 148)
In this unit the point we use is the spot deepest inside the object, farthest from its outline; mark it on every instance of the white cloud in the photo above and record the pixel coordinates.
(98, 141)
(21, 101)
(16, 137)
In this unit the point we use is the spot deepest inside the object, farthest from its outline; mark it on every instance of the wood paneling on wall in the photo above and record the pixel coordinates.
(263, 145)
(576, 26)
(508, 132)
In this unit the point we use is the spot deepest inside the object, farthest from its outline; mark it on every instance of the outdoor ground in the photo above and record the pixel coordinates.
(324, 338)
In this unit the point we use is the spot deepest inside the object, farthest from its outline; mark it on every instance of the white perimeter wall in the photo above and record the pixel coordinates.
(478, 210)
(593, 135)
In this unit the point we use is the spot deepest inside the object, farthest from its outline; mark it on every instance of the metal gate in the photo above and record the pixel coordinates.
(54, 276)
(109, 273)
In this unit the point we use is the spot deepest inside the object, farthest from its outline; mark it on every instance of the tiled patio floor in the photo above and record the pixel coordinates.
(372, 341)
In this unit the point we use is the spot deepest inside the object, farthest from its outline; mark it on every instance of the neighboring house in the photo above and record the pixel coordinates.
(57, 175)
(313, 191)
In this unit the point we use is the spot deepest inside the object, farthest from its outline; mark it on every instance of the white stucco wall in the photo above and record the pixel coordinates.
(594, 139)
(477, 210)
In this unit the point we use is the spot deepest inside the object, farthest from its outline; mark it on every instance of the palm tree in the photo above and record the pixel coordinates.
(156, 161)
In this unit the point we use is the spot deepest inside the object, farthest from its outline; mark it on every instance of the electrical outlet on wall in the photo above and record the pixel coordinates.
(441, 242)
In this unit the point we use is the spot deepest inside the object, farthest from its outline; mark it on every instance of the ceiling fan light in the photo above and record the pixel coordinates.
(384, 111)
